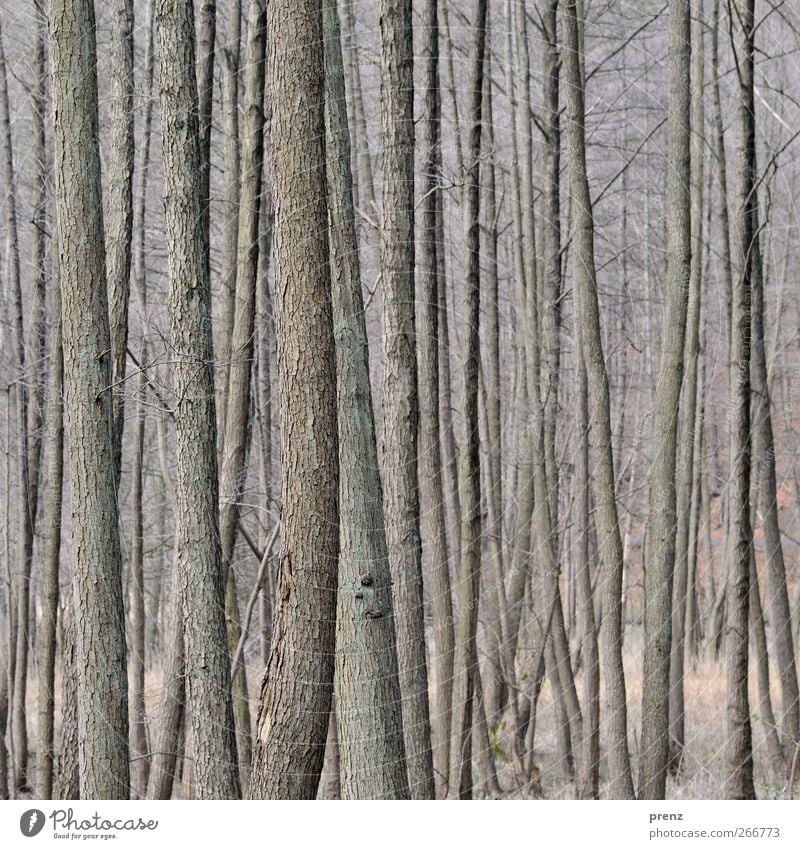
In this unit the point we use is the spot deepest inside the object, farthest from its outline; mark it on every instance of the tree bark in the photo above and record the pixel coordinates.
(399, 387)
(296, 693)
(739, 748)
(467, 677)
(432, 499)
(119, 206)
(369, 718)
(52, 551)
(662, 517)
(96, 560)
(621, 785)
(209, 706)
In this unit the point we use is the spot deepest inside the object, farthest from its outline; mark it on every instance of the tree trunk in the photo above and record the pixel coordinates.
(621, 785)
(209, 706)
(231, 166)
(96, 560)
(296, 693)
(662, 516)
(119, 206)
(68, 766)
(467, 677)
(171, 713)
(237, 417)
(368, 698)
(52, 550)
(399, 387)
(739, 754)
(432, 499)
(20, 583)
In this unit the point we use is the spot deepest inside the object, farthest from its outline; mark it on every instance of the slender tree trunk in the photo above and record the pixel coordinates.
(621, 785)
(290, 743)
(20, 583)
(140, 763)
(400, 391)
(52, 551)
(589, 773)
(96, 560)
(467, 678)
(209, 706)
(171, 713)
(686, 495)
(230, 102)
(204, 26)
(662, 518)
(739, 749)
(119, 206)
(766, 484)
(432, 499)
(67, 784)
(237, 417)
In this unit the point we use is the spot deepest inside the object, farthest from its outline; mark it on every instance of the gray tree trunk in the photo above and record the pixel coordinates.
(209, 707)
(432, 499)
(662, 512)
(119, 205)
(739, 748)
(467, 678)
(52, 551)
(369, 717)
(687, 495)
(621, 785)
(399, 387)
(96, 560)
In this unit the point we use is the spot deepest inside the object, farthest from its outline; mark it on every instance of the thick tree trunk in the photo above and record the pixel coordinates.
(209, 707)
(369, 718)
(96, 560)
(296, 693)
(399, 387)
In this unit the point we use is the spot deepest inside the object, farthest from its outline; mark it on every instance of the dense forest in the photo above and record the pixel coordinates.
(398, 399)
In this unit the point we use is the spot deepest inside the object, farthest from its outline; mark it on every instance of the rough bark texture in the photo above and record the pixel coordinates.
(209, 707)
(96, 561)
(739, 750)
(621, 785)
(119, 205)
(400, 392)
(662, 517)
(369, 718)
(290, 746)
